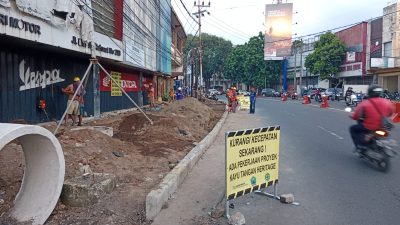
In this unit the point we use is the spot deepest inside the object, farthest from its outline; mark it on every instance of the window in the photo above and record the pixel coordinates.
(103, 16)
(356, 67)
(387, 49)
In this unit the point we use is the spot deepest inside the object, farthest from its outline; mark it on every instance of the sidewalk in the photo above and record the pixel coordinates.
(204, 186)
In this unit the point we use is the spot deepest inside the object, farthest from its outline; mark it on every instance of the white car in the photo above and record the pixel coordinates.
(245, 93)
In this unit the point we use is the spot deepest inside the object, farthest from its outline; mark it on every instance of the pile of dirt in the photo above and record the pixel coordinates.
(139, 154)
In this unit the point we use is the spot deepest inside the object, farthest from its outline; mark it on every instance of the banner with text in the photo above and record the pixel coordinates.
(244, 102)
(129, 82)
(278, 31)
(252, 160)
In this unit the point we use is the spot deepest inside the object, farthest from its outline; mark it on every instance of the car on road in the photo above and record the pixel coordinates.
(268, 92)
(243, 92)
(334, 93)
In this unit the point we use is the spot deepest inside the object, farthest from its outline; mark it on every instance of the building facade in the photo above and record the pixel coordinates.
(385, 65)
(44, 44)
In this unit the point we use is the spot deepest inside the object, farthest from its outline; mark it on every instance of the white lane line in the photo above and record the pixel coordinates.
(330, 132)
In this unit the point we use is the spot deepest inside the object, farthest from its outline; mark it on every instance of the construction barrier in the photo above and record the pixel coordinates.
(325, 102)
(396, 116)
(306, 100)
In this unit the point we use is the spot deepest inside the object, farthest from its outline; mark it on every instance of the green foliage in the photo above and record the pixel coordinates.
(215, 52)
(246, 64)
(242, 63)
(328, 55)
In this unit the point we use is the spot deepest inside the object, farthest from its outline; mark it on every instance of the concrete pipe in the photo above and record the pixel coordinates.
(44, 171)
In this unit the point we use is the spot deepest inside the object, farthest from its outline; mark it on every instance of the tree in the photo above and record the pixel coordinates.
(246, 64)
(215, 52)
(327, 57)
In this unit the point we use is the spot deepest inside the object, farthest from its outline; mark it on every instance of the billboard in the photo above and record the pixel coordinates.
(278, 31)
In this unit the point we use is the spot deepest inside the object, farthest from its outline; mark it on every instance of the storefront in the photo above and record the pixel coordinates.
(28, 75)
(111, 96)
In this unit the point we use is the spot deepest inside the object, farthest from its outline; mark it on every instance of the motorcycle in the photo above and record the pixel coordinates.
(318, 98)
(354, 99)
(377, 148)
(212, 96)
(377, 151)
(295, 96)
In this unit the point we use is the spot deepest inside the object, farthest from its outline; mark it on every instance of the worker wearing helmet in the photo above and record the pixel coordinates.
(74, 104)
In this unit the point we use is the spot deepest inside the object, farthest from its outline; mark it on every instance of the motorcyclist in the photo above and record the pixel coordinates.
(348, 94)
(369, 115)
(317, 95)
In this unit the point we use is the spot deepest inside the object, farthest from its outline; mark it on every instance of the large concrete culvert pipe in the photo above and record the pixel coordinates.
(43, 175)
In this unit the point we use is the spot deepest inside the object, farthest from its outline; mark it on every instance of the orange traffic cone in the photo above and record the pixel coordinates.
(306, 100)
(324, 103)
(284, 98)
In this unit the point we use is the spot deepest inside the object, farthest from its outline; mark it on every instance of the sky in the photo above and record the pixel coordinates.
(238, 20)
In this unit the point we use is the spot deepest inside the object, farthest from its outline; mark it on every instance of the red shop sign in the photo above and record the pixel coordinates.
(130, 82)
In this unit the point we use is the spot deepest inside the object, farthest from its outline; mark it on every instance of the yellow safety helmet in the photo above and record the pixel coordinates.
(77, 79)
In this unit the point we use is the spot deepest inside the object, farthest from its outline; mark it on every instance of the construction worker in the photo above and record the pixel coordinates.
(171, 94)
(150, 92)
(232, 100)
(74, 104)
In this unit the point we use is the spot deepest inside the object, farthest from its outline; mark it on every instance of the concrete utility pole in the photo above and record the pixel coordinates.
(200, 12)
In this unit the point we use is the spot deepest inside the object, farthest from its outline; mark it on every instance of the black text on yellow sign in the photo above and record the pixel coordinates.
(115, 90)
(252, 160)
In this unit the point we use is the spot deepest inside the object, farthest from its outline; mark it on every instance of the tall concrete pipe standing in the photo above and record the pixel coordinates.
(44, 171)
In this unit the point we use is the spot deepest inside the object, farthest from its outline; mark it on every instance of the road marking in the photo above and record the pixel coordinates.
(330, 132)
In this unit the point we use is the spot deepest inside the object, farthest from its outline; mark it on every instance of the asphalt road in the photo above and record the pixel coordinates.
(317, 165)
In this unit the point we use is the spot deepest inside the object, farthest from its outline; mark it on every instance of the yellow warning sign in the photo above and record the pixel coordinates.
(115, 90)
(244, 102)
(252, 160)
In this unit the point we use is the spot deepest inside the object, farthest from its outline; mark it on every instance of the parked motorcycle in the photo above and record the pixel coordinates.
(212, 96)
(318, 98)
(295, 96)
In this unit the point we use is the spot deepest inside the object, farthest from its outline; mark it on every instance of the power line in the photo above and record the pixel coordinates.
(225, 30)
(184, 6)
(233, 28)
(155, 50)
(230, 30)
(183, 14)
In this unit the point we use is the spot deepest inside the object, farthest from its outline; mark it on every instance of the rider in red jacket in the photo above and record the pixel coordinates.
(369, 115)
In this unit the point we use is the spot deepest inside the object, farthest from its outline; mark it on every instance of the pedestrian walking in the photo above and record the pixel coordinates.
(253, 96)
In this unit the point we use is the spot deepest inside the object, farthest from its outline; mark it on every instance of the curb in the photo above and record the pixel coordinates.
(156, 199)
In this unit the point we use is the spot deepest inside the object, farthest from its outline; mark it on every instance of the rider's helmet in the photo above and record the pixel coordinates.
(374, 91)
(349, 88)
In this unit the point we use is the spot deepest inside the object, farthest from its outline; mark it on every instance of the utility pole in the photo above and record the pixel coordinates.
(301, 66)
(200, 12)
(295, 69)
